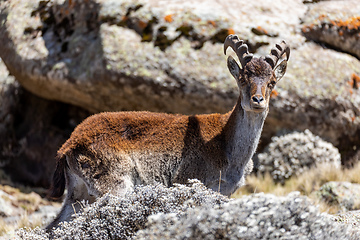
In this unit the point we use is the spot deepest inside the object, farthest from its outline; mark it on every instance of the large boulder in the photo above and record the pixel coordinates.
(108, 55)
(334, 23)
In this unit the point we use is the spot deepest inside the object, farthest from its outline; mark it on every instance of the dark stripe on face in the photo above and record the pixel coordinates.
(257, 89)
(253, 88)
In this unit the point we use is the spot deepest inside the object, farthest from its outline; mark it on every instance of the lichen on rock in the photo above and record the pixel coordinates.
(335, 25)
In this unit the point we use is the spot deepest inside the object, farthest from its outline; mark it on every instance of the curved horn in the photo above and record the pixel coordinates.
(277, 52)
(239, 47)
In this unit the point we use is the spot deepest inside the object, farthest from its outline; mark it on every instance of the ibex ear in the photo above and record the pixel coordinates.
(233, 67)
(280, 70)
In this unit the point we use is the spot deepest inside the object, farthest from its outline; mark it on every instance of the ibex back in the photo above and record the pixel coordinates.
(112, 152)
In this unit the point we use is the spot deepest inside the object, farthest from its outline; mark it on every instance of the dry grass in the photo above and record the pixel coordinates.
(24, 221)
(306, 183)
(24, 205)
(4, 227)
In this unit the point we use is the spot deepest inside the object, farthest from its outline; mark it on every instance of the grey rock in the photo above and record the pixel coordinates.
(292, 154)
(6, 209)
(100, 66)
(72, 55)
(344, 194)
(335, 23)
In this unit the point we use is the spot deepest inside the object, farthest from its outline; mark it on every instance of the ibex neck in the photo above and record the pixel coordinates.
(243, 133)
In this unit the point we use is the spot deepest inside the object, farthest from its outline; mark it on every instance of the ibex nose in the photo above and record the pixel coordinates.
(258, 99)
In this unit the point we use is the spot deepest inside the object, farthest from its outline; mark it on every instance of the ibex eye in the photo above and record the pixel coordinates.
(271, 84)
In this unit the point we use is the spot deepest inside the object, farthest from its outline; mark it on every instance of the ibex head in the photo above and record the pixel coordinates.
(257, 76)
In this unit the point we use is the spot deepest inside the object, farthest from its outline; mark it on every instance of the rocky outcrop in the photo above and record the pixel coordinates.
(195, 212)
(292, 154)
(337, 25)
(142, 56)
(103, 61)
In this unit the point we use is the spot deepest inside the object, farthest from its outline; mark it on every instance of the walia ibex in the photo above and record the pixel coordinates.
(112, 152)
